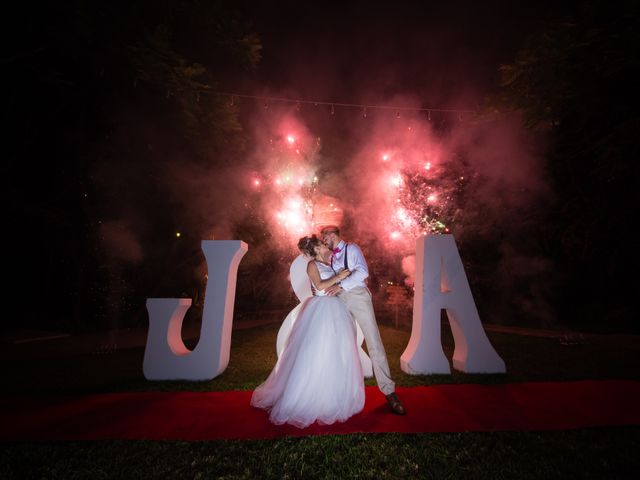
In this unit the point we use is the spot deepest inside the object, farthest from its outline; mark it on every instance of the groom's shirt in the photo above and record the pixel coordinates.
(355, 262)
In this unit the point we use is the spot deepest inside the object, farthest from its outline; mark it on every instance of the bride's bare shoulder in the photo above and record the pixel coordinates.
(313, 263)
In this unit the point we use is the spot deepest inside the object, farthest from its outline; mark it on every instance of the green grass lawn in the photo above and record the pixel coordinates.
(583, 453)
(528, 358)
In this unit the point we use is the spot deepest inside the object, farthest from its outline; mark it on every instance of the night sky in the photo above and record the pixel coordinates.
(443, 53)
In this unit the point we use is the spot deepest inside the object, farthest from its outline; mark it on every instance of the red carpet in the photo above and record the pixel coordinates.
(227, 415)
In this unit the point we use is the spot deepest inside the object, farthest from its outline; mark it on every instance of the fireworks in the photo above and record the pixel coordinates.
(425, 195)
(289, 186)
(416, 185)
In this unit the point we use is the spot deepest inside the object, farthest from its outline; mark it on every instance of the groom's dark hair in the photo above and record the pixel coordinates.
(308, 244)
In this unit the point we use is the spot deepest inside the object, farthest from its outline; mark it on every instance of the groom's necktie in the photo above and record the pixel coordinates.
(333, 255)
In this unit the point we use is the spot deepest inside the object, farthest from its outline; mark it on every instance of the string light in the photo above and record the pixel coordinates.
(298, 103)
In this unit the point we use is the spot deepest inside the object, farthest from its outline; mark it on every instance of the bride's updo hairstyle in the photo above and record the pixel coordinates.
(307, 245)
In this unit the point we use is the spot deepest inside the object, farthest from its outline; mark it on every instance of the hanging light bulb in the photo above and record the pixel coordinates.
(266, 103)
(364, 112)
(429, 115)
(298, 106)
(332, 109)
(398, 114)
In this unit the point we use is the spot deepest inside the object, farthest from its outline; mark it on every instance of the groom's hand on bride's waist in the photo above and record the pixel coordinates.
(333, 290)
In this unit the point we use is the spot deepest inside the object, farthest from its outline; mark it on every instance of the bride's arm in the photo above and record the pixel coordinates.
(314, 275)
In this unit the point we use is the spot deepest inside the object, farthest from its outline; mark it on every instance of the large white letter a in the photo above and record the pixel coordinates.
(441, 282)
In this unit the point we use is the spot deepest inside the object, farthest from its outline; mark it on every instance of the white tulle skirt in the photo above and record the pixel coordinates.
(318, 376)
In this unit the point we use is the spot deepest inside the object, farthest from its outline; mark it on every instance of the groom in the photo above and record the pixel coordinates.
(355, 294)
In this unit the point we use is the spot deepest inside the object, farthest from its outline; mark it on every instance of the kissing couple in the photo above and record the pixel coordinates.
(318, 376)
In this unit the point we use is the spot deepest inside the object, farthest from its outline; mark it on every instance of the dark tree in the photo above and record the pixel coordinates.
(102, 98)
(576, 82)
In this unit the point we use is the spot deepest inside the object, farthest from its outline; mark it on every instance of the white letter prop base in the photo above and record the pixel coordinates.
(441, 282)
(166, 357)
(302, 288)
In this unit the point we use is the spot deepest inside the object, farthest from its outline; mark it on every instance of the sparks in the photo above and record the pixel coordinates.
(404, 218)
(289, 191)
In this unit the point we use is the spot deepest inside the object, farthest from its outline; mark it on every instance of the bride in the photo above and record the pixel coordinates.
(318, 376)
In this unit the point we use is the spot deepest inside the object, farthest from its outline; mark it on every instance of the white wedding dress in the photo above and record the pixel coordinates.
(318, 376)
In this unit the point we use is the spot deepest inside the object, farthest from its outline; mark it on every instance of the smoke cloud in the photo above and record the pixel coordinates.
(387, 175)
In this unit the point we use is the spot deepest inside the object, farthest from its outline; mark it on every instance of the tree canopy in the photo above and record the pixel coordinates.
(104, 98)
(575, 81)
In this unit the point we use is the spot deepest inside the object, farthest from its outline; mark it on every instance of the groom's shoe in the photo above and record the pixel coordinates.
(396, 404)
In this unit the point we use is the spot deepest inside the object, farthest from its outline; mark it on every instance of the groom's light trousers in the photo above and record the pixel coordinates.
(358, 302)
